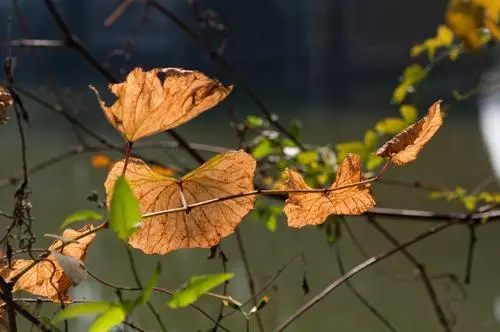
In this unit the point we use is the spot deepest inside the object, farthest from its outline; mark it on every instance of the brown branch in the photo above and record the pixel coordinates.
(421, 270)
(372, 261)
(251, 282)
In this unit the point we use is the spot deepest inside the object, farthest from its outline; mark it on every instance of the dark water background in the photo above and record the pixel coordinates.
(337, 94)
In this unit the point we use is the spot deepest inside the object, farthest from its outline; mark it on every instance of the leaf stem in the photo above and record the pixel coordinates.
(128, 152)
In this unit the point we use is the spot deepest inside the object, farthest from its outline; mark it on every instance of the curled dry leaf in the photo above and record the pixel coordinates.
(406, 145)
(47, 278)
(226, 174)
(146, 105)
(304, 209)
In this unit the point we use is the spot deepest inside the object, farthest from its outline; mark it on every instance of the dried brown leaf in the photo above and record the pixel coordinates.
(146, 105)
(226, 174)
(47, 278)
(304, 209)
(406, 145)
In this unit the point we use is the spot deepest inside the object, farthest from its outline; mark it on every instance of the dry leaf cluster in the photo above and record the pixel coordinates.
(47, 278)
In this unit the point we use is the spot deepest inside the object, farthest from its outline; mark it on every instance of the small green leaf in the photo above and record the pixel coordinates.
(81, 309)
(307, 157)
(272, 223)
(469, 203)
(390, 126)
(295, 127)
(197, 286)
(435, 195)
(343, 149)
(124, 211)
(262, 149)
(409, 113)
(83, 215)
(115, 314)
(370, 140)
(254, 121)
(148, 290)
(373, 162)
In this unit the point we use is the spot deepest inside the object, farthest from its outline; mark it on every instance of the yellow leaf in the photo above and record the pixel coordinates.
(444, 36)
(47, 278)
(464, 18)
(400, 92)
(416, 50)
(226, 174)
(409, 113)
(405, 146)
(390, 126)
(304, 209)
(147, 105)
(454, 53)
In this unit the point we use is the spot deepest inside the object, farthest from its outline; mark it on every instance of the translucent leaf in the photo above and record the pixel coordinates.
(390, 126)
(405, 146)
(307, 157)
(84, 215)
(147, 105)
(409, 113)
(197, 286)
(226, 174)
(47, 278)
(254, 121)
(263, 149)
(81, 309)
(124, 209)
(148, 290)
(464, 18)
(100, 161)
(112, 317)
(370, 140)
(304, 209)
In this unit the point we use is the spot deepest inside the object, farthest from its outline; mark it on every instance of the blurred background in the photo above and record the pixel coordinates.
(333, 64)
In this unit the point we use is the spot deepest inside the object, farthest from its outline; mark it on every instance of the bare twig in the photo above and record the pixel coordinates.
(354, 271)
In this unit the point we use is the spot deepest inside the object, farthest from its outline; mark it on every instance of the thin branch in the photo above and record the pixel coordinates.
(251, 283)
(357, 269)
(358, 295)
(421, 270)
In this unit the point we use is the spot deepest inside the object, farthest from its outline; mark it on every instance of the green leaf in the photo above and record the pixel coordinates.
(124, 211)
(262, 149)
(373, 162)
(197, 286)
(469, 203)
(409, 113)
(254, 121)
(272, 222)
(390, 126)
(343, 149)
(370, 140)
(307, 157)
(115, 314)
(148, 290)
(81, 216)
(295, 127)
(81, 309)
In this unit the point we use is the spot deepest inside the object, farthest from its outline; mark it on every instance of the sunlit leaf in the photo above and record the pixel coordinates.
(81, 309)
(390, 126)
(100, 161)
(254, 121)
(343, 149)
(84, 215)
(263, 149)
(226, 174)
(370, 140)
(304, 209)
(409, 113)
(405, 146)
(148, 290)
(465, 20)
(124, 209)
(307, 157)
(112, 317)
(47, 278)
(196, 287)
(373, 162)
(160, 99)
